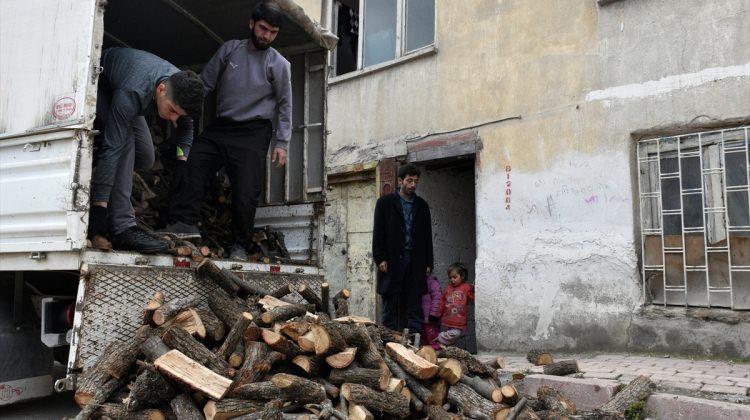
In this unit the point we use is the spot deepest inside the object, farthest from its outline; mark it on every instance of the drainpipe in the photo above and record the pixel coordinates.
(326, 14)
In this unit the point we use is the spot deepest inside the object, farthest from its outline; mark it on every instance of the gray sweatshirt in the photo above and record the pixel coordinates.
(252, 84)
(131, 76)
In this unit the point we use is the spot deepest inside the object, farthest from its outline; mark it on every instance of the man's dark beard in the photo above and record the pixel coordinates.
(256, 43)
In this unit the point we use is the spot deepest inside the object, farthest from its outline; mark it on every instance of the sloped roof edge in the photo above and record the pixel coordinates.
(320, 35)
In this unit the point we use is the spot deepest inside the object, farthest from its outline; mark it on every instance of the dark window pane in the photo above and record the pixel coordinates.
(693, 210)
(737, 207)
(420, 23)
(691, 173)
(736, 166)
(672, 226)
(670, 194)
(348, 32)
(669, 164)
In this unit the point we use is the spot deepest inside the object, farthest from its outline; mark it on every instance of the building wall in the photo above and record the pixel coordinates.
(559, 268)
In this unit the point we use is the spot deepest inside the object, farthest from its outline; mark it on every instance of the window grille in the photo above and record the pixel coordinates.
(695, 219)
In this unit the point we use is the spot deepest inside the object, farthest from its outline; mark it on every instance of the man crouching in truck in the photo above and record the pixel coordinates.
(134, 84)
(253, 83)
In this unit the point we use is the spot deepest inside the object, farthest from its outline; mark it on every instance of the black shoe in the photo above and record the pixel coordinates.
(181, 230)
(136, 239)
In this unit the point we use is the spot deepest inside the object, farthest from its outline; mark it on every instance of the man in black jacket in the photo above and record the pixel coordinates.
(402, 249)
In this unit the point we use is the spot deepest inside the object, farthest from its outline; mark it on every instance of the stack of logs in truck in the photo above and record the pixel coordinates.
(249, 353)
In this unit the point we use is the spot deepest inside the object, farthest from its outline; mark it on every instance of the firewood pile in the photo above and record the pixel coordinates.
(249, 353)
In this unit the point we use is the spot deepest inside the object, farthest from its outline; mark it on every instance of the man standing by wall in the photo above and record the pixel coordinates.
(402, 249)
(135, 83)
(253, 83)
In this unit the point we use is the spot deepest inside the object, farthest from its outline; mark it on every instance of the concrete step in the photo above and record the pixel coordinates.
(671, 406)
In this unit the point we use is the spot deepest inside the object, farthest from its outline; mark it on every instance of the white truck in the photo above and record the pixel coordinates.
(59, 298)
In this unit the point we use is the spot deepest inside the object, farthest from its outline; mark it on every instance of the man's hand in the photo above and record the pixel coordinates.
(279, 157)
(383, 266)
(428, 271)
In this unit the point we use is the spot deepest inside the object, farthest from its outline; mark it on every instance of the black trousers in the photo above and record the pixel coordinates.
(241, 148)
(404, 309)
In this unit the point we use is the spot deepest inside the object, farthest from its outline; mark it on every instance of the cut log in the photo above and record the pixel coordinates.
(269, 302)
(637, 390)
(428, 353)
(342, 359)
(359, 412)
(438, 389)
(153, 304)
(561, 368)
(309, 295)
(121, 359)
(325, 298)
(234, 335)
(187, 371)
(414, 401)
(328, 339)
(215, 329)
(498, 363)
(472, 363)
(483, 387)
(331, 389)
(246, 285)
(101, 395)
(554, 401)
(539, 357)
(265, 390)
(311, 365)
(280, 344)
(238, 355)
(387, 402)
(150, 389)
(509, 394)
(282, 291)
(177, 338)
(368, 353)
(172, 307)
(451, 370)
(436, 412)
(208, 270)
(252, 333)
(373, 378)
(153, 347)
(307, 341)
(386, 335)
(517, 409)
(230, 407)
(294, 329)
(412, 364)
(120, 412)
(191, 322)
(283, 313)
(355, 319)
(258, 361)
(184, 408)
(421, 391)
(472, 404)
(226, 308)
(299, 389)
(396, 385)
(341, 304)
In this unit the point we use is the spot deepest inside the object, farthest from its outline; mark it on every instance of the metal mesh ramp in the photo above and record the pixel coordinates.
(114, 298)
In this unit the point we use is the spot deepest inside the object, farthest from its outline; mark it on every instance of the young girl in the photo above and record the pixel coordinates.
(454, 306)
(431, 310)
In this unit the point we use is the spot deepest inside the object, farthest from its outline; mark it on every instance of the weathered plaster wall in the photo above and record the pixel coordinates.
(560, 267)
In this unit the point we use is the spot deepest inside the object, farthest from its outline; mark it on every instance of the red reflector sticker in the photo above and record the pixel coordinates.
(276, 269)
(181, 262)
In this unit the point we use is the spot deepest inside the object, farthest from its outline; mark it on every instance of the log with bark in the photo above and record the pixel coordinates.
(296, 388)
(185, 370)
(101, 395)
(561, 368)
(309, 295)
(509, 394)
(539, 357)
(259, 359)
(325, 291)
(328, 338)
(150, 389)
(310, 364)
(451, 370)
(184, 408)
(498, 363)
(231, 407)
(421, 391)
(281, 291)
(392, 403)
(191, 322)
(122, 357)
(554, 401)
(412, 364)
(436, 412)
(295, 328)
(340, 303)
(156, 301)
(225, 308)
(234, 335)
(224, 279)
(215, 329)
(359, 412)
(238, 355)
(280, 344)
(483, 387)
(473, 404)
(177, 338)
(428, 353)
(283, 313)
(637, 390)
(373, 378)
(342, 359)
(265, 390)
(172, 307)
(120, 412)
(472, 363)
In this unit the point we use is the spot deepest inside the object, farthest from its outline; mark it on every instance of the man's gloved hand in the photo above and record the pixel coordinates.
(98, 221)
(180, 180)
(434, 319)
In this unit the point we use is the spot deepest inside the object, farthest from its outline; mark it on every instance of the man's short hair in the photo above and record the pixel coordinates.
(268, 11)
(408, 169)
(186, 90)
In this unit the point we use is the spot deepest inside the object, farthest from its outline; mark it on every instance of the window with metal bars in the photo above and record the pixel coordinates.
(695, 219)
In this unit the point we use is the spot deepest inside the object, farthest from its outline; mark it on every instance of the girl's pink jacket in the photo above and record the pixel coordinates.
(431, 300)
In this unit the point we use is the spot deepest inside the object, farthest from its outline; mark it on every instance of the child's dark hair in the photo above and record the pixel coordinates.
(459, 268)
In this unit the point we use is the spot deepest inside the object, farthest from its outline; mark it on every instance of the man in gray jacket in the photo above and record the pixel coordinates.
(134, 84)
(254, 95)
